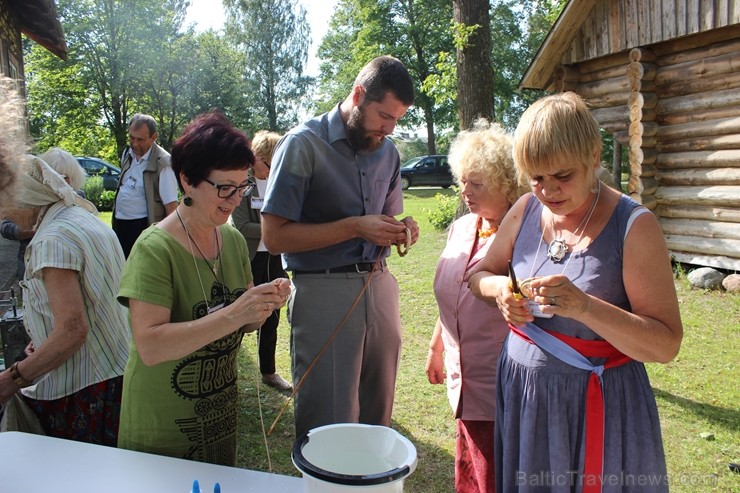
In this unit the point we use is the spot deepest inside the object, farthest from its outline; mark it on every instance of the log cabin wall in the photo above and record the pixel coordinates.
(11, 55)
(664, 78)
(698, 151)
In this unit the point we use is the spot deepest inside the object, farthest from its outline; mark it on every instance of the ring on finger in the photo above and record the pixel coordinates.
(553, 300)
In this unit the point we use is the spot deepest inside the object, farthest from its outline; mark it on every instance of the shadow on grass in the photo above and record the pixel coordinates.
(724, 417)
(427, 192)
(434, 465)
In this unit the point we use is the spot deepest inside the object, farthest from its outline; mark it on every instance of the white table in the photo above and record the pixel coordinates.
(40, 464)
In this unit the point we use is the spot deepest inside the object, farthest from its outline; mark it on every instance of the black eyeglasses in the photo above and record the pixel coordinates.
(226, 191)
(264, 161)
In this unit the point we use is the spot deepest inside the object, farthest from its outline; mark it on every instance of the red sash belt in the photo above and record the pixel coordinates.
(594, 454)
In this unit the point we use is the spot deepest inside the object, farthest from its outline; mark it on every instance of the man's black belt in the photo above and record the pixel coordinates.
(358, 268)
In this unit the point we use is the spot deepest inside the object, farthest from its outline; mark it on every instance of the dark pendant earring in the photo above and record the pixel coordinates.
(187, 201)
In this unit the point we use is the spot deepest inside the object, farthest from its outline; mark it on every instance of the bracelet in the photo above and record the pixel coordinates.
(19, 380)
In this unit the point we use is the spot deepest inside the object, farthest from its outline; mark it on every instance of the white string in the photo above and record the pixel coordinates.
(586, 219)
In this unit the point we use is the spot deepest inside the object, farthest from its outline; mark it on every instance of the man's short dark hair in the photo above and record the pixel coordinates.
(140, 119)
(386, 74)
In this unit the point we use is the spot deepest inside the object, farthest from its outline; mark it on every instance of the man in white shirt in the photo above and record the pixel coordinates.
(147, 186)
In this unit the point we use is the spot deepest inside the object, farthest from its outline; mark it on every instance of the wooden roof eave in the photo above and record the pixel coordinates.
(539, 74)
(39, 21)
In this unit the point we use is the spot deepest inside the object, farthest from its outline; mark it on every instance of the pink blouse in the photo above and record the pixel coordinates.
(473, 332)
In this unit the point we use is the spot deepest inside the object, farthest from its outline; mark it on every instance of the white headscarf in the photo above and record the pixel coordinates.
(40, 186)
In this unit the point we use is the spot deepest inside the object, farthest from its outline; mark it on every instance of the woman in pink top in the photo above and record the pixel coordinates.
(469, 333)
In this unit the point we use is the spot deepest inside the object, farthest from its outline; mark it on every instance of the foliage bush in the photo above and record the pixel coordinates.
(106, 200)
(446, 210)
(93, 189)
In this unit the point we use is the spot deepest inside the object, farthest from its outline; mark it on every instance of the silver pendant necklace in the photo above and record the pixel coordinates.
(558, 248)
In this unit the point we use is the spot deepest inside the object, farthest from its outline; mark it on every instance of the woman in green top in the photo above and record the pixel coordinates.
(189, 288)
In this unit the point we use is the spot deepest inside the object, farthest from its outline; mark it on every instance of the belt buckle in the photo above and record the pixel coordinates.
(357, 269)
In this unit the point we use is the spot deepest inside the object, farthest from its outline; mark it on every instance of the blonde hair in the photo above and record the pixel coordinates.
(264, 143)
(486, 149)
(554, 130)
(66, 165)
(13, 141)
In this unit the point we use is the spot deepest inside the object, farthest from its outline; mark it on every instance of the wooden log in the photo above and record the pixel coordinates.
(649, 170)
(634, 185)
(726, 158)
(649, 156)
(693, 130)
(723, 196)
(617, 164)
(703, 67)
(604, 87)
(612, 127)
(649, 186)
(622, 137)
(607, 101)
(646, 128)
(567, 73)
(614, 114)
(642, 55)
(605, 62)
(643, 99)
(637, 85)
(684, 52)
(680, 87)
(714, 176)
(699, 116)
(608, 73)
(695, 102)
(648, 201)
(717, 261)
(682, 45)
(701, 228)
(649, 142)
(711, 143)
(637, 114)
(642, 71)
(716, 246)
(725, 214)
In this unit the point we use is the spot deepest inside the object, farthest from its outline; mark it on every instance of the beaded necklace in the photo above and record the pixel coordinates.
(485, 233)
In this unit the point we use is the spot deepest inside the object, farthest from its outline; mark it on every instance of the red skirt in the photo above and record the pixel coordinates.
(88, 415)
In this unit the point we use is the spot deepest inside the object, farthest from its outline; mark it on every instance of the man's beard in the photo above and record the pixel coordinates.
(357, 133)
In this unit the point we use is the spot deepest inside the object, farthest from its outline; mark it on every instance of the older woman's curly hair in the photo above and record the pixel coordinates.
(486, 149)
(12, 138)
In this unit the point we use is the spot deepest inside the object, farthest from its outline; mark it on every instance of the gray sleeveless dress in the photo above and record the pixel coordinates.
(539, 437)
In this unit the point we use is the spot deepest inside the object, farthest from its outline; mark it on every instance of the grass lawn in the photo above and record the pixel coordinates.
(697, 393)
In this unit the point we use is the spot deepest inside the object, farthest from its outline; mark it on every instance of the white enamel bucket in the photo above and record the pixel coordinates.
(352, 457)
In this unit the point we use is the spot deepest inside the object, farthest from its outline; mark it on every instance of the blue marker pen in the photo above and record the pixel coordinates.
(216, 488)
(196, 487)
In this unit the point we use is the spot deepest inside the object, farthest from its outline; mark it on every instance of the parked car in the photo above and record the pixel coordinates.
(426, 171)
(94, 166)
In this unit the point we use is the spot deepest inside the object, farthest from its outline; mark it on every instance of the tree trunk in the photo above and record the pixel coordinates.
(474, 67)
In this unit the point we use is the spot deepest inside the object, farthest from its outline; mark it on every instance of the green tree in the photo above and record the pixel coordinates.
(114, 41)
(62, 110)
(273, 36)
(414, 31)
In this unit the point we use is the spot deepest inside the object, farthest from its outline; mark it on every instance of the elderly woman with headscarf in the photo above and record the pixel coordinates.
(72, 379)
(72, 173)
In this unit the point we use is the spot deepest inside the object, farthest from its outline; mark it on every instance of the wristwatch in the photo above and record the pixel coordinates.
(17, 377)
